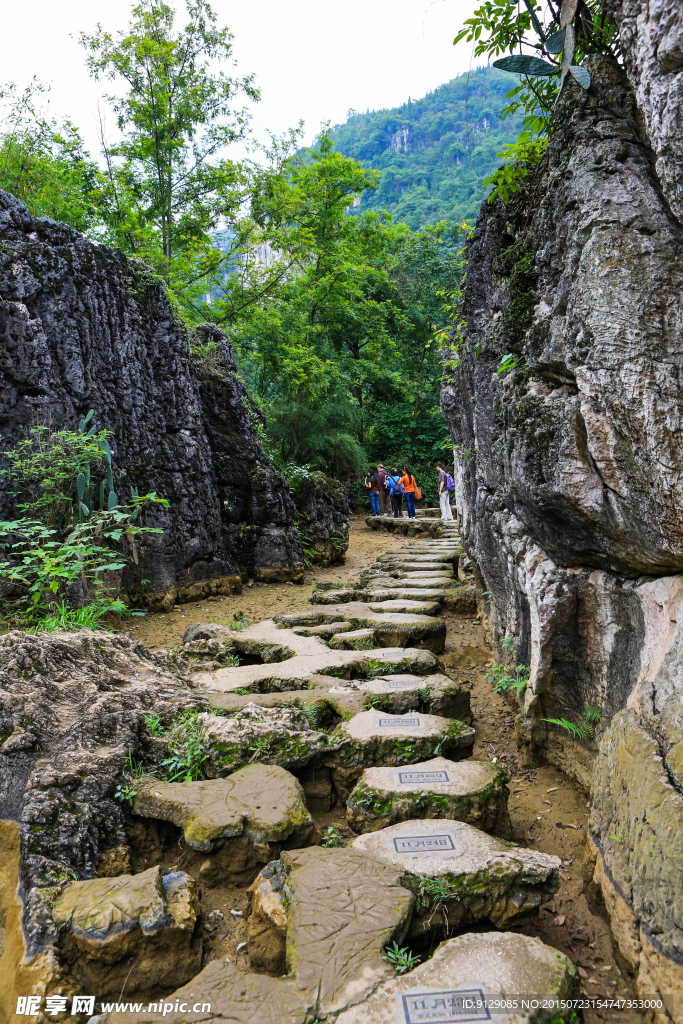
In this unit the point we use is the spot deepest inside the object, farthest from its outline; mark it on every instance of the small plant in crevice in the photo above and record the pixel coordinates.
(154, 724)
(125, 793)
(504, 678)
(592, 716)
(332, 837)
(401, 958)
(187, 749)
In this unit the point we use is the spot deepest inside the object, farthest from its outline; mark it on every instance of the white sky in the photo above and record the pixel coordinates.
(313, 59)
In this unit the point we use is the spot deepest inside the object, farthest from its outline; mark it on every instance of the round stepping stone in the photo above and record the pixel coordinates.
(435, 694)
(470, 791)
(356, 640)
(461, 600)
(451, 986)
(399, 592)
(325, 631)
(445, 556)
(380, 738)
(147, 920)
(430, 581)
(461, 875)
(260, 804)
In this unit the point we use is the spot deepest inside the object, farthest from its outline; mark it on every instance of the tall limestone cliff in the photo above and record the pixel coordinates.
(83, 327)
(569, 466)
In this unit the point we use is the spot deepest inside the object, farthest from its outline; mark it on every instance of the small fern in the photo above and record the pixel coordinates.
(577, 731)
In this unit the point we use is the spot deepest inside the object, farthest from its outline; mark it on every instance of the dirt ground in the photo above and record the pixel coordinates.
(548, 811)
(263, 600)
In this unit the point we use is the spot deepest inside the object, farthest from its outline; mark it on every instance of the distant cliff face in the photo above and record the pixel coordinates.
(83, 327)
(569, 467)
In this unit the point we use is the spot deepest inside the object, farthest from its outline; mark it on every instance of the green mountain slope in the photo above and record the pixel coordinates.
(434, 153)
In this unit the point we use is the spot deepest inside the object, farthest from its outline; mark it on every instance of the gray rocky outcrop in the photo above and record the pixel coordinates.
(83, 327)
(322, 517)
(569, 467)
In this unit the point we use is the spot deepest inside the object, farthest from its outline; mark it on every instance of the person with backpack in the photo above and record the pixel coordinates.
(372, 484)
(446, 488)
(396, 494)
(409, 489)
(383, 490)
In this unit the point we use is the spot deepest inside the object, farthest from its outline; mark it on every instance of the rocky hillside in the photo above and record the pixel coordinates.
(83, 327)
(565, 403)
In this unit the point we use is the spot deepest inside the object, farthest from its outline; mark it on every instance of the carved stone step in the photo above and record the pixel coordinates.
(449, 987)
(469, 791)
(462, 875)
(380, 738)
(239, 821)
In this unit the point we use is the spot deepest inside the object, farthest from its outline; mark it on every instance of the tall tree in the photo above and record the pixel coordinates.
(170, 181)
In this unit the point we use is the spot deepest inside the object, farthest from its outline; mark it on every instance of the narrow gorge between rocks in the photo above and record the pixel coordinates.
(363, 787)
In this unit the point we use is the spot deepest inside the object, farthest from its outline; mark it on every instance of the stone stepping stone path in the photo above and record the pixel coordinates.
(260, 805)
(469, 791)
(437, 694)
(391, 628)
(462, 971)
(425, 862)
(380, 738)
(462, 875)
(409, 527)
(148, 919)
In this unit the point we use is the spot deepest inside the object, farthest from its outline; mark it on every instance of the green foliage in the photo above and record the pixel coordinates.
(432, 153)
(435, 892)
(332, 837)
(592, 716)
(154, 724)
(519, 158)
(125, 793)
(497, 27)
(187, 749)
(401, 958)
(64, 540)
(506, 678)
(167, 182)
(43, 163)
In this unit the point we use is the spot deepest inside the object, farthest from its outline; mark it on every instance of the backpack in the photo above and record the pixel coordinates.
(450, 483)
(396, 486)
(386, 482)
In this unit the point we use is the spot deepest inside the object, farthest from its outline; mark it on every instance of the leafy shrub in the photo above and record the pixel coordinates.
(61, 552)
(401, 958)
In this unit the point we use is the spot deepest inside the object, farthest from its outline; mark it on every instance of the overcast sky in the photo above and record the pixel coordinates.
(313, 59)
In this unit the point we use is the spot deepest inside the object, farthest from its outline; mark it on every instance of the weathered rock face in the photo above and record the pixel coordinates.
(72, 709)
(83, 327)
(322, 517)
(569, 484)
(651, 34)
(569, 476)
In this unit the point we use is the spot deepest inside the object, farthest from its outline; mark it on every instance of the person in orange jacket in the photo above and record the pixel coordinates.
(409, 485)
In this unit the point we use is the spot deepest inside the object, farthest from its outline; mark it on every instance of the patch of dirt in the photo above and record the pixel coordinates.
(263, 600)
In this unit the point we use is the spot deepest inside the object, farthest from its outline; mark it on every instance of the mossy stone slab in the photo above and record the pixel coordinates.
(470, 791)
(470, 876)
(263, 802)
(448, 987)
(344, 910)
(148, 919)
(380, 738)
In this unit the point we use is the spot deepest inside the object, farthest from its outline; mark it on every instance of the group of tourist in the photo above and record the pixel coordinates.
(388, 489)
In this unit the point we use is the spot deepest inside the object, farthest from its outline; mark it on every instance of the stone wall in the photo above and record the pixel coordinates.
(570, 466)
(81, 327)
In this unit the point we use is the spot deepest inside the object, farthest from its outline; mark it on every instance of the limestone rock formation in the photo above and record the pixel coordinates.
(322, 517)
(569, 475)
(82, 327)
(147, 920)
